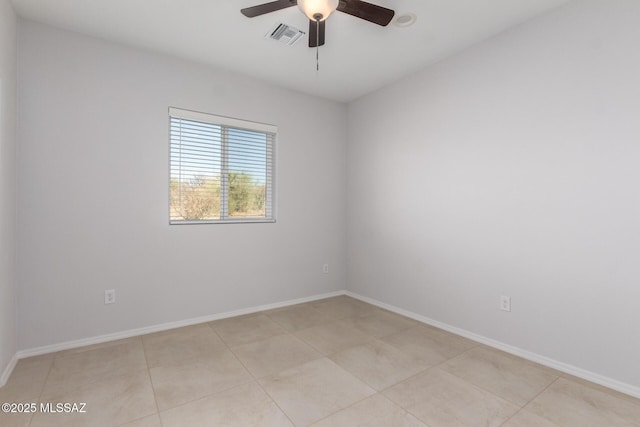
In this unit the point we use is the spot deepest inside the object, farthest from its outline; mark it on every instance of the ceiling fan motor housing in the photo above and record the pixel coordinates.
(318, 10)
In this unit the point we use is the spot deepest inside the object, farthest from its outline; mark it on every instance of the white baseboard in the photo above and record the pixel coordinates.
(158, 328)
(602, 380)
(8, 370)
(534, 357)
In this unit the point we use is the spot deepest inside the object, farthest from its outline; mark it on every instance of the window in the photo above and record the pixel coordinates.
(221, 169)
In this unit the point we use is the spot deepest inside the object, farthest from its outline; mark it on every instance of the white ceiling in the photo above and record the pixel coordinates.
(358, 57)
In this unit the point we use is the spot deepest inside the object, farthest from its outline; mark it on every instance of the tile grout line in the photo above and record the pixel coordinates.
(210, 326)
(266, 313)
(381, 392)
(482, 389)
(153, 389)
(437, 366)
(292, 334)
(274, 402)
(258, 313)
(345, 408)
(255, 379)
(43, 386)
(57, 355)
(523, 407)
(489, 391)
(406, 411)
(417, 374)
(200, 397)
(322, 355)
(422, 372)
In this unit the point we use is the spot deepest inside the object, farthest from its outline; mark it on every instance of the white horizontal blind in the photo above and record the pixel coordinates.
(221, 169)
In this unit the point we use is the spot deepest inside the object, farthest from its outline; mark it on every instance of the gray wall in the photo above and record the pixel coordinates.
(93, 193)
(511, 169)
(8, 331)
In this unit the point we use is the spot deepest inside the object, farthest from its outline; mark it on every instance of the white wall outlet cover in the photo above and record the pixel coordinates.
(505, 303)
(110, 296)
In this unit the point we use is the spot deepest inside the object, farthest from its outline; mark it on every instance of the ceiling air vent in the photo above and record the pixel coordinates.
(285, 34)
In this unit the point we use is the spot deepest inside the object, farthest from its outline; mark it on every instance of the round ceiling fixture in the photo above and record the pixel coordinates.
(405, 20)
(318, 10)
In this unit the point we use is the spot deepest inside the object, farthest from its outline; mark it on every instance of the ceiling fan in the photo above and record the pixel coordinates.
(319, 10)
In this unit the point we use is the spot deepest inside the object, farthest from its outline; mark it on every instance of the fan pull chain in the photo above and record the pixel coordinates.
(317, 45)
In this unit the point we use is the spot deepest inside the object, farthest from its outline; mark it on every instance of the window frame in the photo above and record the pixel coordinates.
(226, 123)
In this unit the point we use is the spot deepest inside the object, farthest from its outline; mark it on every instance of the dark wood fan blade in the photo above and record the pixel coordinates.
(261, 9)
(367, 11)
(314, 40)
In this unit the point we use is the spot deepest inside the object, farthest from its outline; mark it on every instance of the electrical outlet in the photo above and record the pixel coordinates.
(505, 303)
(110, 296)
(325, 269)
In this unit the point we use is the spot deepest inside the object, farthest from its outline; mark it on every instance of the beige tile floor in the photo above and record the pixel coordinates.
(333, 363)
